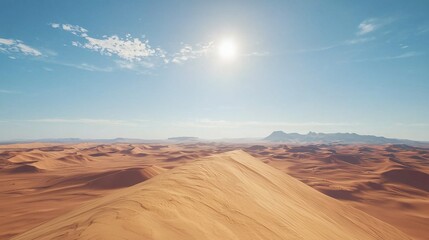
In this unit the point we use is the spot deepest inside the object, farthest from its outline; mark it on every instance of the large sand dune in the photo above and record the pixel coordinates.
(225, 196)
(39, 182)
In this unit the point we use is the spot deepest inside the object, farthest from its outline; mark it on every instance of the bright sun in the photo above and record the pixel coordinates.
(227, 49)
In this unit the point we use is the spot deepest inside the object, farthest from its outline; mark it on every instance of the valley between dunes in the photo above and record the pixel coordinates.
(213, 191)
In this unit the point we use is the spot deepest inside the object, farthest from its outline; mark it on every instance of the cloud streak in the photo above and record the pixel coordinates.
(395, 57)
(317, 49)
(207, 123)
(188, 52)
(4, 91)
(81, 66)
(359, 40)
(113, 122)
(86, 67)
(412, 124)
(12, 46)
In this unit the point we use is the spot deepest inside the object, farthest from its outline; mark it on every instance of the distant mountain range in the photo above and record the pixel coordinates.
(184, 139)
(276, 136)
(345, 138)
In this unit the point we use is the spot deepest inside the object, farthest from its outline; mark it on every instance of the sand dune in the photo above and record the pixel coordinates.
(65, 161)
(124, 178)
(31, 156)
(26, 168)
(385, 181)
(226, 196)
(410, 177)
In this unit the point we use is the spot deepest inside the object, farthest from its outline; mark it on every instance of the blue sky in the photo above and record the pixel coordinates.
(151, 69)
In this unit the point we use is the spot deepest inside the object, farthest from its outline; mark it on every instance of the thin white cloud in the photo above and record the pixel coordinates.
(359, 40)
(85, 121)
(13, 46)
(413, 124)
(4, 91)
(7, 42)
(81, 66)
(74, 29)
(400, 56)
(140, 67)
(370, 25)
(318, 49)
(367, 26)
(207, 123)
(137, 54)
(257, 54)
(422, 30)
(354, 41)
(128, 48)
(89, 67)
(188, 52)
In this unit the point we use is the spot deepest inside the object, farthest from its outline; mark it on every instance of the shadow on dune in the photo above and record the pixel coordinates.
(412, 178)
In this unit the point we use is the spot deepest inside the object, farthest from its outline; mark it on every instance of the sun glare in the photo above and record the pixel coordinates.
(227, 49)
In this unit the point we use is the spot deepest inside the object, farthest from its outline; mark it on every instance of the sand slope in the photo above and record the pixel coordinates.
(226, 196)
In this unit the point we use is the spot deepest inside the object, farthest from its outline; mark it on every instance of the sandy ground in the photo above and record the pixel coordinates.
(39, 182)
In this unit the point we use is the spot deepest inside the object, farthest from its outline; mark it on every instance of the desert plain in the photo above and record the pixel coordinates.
(213, 190)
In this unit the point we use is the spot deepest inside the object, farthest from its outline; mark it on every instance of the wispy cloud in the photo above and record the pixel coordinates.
(412, 124)
(81, 66)
(364, 28)
(74, 29)
(141, 67)
(207, 123)
(87, 67)
(188, 52)
(403, 46)
(89, 121)
(404, 55)
(367, 26)
(133, 53)
(317, 49)
(128, 48)
(421, 30)
(385, 58)
(4, 91)
(359, 40)
(372, 24)
(13, 46)
(257, 54)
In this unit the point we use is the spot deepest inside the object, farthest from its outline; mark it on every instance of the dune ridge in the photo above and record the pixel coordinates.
(226, 196)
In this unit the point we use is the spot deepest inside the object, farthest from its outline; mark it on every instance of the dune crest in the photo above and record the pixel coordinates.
(225, 196)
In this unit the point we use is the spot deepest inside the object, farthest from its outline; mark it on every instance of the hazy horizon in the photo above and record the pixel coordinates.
(255, 138)
(154, 70)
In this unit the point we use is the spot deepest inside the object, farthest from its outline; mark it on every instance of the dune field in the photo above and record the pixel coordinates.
(213, 191)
